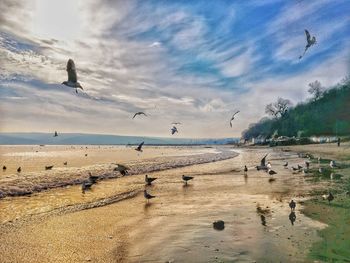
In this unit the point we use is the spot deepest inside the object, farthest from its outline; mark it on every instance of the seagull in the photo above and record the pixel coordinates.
(295, 169)
(176, 123)
(292, 205)
(320, 170)
(300, 167)
(19, 169)
(86, 186)
(286, 165)
(332, 164)
(72, 77)
(48, 167)
(245, 169)
(186, 178)
(307, 164)
(139, 113)
(271, 172)
(56, 134)
(262, 165)
(233, 117)
(122, 169)
(310, 42)
(4, 168)
(149, 180)
(330, 197)
(139, 148)
(147, 195)
(93, 178)
(173, 130)
(65, 163)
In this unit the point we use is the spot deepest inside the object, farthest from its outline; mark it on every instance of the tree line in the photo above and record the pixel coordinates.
(327, 113)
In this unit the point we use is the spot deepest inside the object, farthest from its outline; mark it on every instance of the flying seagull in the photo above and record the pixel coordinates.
(147, 195)
(262, 165)
(56, 134)
(72, 76)
(310, 42)
(173, 130)
(233, 117)
(186, 178)
(139, 113)
(149, 180)
(139, 148)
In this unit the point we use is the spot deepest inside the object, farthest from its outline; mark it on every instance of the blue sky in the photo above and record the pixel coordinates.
(190, 61)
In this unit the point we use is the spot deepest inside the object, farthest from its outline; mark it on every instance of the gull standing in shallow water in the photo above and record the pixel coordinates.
(72, 76)
(147, 195)
(186, 178)
(149, 180)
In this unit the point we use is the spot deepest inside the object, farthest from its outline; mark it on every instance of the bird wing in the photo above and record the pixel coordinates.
(140, 146)
(72, 73)
(308, 37)
(143, 113)
(235, 113)
(263, 160)
(135, 115)
(231, 123)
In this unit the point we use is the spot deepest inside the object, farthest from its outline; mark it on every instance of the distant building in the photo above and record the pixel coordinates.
(323, 139)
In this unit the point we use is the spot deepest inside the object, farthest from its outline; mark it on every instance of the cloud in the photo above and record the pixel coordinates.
(187, 62)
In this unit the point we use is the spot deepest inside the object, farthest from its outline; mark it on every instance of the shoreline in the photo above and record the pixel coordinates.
(120, 226)
(33, 182)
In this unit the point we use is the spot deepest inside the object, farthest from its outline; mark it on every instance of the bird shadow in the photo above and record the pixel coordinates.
(186, 186)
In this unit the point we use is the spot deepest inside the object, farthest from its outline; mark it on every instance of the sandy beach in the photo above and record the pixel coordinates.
(113, 222)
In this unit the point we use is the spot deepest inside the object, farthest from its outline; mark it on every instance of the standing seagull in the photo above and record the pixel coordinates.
(139, 113)
(149, 180)
(271, 172)
(4, 168)
(147, 195)
(292, 205)
(139, 148)
(186, 178)
(233, 117)
(19, 169)
(56, 134)
(72, 76)
(310, 42)
(330, 197)
(245, 169)
(173, 130)
(286, 165)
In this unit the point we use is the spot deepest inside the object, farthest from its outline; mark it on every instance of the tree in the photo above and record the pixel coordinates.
(278, 108)
(316, 90)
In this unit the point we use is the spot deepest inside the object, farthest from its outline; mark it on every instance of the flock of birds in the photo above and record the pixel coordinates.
(267, 168)
(73, 81)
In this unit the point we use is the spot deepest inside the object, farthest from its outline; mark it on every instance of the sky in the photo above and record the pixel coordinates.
(194, 62)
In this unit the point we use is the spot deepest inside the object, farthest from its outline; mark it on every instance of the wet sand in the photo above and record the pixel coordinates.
(105, 225)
